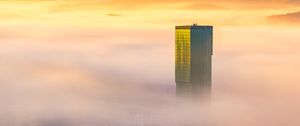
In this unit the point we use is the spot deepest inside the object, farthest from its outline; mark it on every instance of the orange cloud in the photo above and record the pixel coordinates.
(207, 4)
(58, 6)
(204, 7)
(113, 14)
(291, 18)
(139, 14)
(76, 6)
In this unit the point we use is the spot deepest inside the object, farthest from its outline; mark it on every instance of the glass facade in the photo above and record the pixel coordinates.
(183, 53)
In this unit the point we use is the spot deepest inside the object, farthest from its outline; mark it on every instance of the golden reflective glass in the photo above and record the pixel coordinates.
(183, 54)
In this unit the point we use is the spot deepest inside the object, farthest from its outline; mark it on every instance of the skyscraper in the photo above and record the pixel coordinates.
(194, 50)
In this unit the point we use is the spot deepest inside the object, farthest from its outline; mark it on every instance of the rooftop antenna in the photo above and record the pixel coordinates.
(194, 24)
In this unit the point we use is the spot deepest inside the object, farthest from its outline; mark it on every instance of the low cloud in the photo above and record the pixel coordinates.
(84, 79)
(113, 15)
(290, 18)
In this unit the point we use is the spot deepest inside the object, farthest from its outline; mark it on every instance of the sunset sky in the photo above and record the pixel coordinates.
(106, 57)
(131, 14)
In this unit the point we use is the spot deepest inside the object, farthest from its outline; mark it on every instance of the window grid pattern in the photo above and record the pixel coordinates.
(183, 53)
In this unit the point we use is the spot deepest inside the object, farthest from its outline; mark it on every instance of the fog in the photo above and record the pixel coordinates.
(87, 77)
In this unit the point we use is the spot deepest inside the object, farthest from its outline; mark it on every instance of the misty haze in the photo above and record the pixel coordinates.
(80, 64)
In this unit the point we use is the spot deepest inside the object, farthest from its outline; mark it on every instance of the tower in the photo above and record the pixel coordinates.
(194, 50)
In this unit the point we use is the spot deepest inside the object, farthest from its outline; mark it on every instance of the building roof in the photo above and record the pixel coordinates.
(194, 26)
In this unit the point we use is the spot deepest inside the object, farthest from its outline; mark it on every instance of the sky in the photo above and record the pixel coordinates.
(112, 62)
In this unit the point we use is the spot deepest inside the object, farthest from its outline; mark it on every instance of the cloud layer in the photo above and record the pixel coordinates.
(80, 63)
(78, 76)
